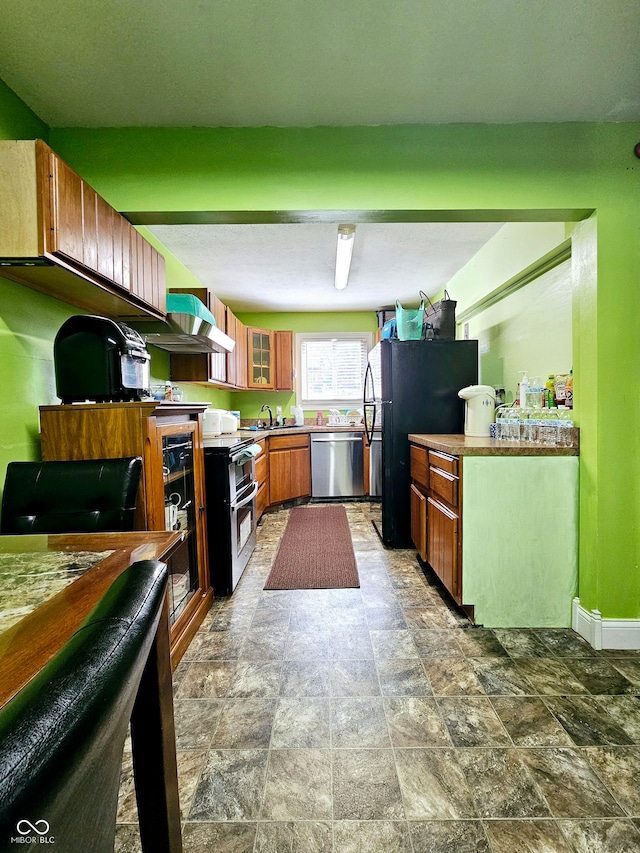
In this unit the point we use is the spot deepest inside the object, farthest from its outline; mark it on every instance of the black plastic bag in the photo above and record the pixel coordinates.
(439, 318)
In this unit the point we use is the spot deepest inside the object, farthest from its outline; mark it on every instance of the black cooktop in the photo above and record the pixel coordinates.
(227, 443)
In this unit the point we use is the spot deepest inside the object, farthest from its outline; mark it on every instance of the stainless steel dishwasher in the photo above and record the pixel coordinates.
(336, 465)
(375, 465)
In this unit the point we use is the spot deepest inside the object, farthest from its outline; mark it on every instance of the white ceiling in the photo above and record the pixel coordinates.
(291, 267)
(208, 63)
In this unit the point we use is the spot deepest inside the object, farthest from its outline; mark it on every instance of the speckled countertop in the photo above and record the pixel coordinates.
(259, 434)
(29, 579)
(464, 445)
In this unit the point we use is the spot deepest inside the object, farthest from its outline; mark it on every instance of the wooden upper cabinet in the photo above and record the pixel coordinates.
(237, 360)
(92, 260)
(260, 351)
(105, 227)
(202, 366)
(66, 229)
(284, 360)
(218, 309)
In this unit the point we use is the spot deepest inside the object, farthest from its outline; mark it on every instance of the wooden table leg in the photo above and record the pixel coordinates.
(153, 743)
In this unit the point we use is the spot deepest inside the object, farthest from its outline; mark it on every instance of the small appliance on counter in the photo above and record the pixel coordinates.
(212, 423)
(479, 412)
(100, 360)
(217, 421)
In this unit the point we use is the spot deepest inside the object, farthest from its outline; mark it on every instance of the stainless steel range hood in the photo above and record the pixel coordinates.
(189, 327)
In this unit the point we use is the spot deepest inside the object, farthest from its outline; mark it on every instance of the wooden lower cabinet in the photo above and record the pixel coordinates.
(436, 527)
(419, 521)
(289, 468)
(262, 476)
(442, 545)
(168, 437)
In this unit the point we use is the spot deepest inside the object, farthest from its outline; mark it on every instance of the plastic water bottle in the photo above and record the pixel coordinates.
(565, 428)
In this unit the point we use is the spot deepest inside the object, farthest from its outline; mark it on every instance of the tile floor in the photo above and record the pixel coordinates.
(379, 720)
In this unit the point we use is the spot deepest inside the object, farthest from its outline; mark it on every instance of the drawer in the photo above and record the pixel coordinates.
(262, 467)
(419, 465)
(444, 462)
(286, 442)
(444, 484)
(262, 499)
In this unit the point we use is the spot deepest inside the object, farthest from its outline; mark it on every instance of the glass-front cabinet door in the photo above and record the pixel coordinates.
(174, 486)
(179, 514)
(261, 373)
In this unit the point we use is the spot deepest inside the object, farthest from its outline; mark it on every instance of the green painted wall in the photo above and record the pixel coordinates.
(17, 121)
(464, 168)
(248, 403)
(528, 330)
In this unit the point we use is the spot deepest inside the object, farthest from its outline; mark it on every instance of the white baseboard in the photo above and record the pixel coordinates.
(605, 633)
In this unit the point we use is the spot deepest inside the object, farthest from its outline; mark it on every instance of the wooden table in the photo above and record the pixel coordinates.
(27, 645)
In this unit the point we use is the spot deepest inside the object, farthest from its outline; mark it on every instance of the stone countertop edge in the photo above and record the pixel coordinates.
(465, 445)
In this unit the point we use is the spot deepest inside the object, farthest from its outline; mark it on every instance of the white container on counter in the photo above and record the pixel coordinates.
(229, 422)
(479, 412)
(212, 422)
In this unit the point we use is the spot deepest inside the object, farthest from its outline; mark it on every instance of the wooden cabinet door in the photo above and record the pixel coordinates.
(237, 360)
(300, 473)
(106, 261)
(219, 311)
(260, 363)
(120, 244)
(283, 342)
(279, 476)
(66, 211)
(419, 465)
(442, 544)
(233, 367)
(419, 521)
(74, 212)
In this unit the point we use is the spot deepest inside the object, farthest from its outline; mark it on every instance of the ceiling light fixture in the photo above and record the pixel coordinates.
(344, 250)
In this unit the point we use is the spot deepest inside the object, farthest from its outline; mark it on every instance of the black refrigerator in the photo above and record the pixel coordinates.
(412, 387)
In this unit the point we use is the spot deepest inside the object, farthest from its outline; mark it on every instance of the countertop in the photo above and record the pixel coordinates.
(464, 445)
(259, 434)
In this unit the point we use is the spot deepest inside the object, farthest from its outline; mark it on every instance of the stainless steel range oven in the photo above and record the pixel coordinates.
(230, 487)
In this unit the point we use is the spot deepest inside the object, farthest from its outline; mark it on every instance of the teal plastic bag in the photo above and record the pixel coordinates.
(409, 322)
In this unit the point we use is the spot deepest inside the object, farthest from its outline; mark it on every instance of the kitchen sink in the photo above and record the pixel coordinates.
(273, 428)
(278, 426)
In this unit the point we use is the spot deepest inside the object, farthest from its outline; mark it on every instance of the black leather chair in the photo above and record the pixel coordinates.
(62, 736)
(84, 496)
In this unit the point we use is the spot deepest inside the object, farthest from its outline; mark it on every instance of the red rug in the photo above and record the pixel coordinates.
(316, 551)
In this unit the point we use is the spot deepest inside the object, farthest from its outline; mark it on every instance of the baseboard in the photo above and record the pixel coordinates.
(605, 633)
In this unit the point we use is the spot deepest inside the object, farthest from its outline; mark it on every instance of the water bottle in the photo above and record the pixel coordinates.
(565, 428)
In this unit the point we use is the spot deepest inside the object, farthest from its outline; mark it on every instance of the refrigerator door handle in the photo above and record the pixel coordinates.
(368, 403)
(369, 423)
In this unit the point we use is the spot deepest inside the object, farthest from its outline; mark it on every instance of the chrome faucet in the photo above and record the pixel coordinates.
(268, 409)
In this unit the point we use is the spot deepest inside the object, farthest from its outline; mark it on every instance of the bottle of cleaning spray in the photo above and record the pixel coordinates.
(524, 388)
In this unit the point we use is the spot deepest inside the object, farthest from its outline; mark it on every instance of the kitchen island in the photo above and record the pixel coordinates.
(498, 523)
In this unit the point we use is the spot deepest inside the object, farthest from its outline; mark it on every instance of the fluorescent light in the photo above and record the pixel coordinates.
(344, 250)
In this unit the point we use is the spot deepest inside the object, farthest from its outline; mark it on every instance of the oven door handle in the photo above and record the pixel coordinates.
(248, 499)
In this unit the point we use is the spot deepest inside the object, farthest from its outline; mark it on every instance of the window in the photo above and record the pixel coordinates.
(330, 369)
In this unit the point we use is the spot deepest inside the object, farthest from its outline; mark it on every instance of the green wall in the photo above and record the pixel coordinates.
(248, 403)
(466, 172)
(17, 121)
